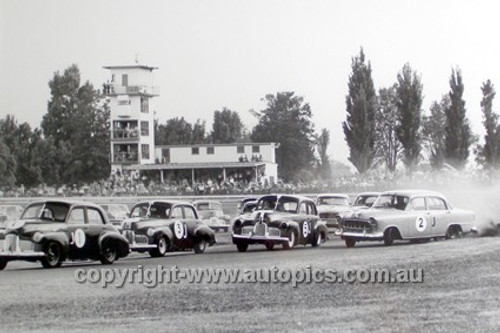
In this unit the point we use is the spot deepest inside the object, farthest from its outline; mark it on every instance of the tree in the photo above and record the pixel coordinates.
(433, 132)
(388, 146)
(76, 123)
(361, 105)
(178, 131)
(322, 143)
(458, 135)
(287, 121)
(489, 153)
(409, 105)
(227, 126)
(7, 165)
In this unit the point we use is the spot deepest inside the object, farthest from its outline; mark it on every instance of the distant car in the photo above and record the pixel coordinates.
(288, 220)
(55, 230)
(10, 212)
(365, 200)
(413, 215)
(116, 212)
(160, 226)
(212, 214)
(332, 207)
(243, 202)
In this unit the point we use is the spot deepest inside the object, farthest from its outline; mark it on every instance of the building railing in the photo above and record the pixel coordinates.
(126, 133)
(126, 158)
(115, 89)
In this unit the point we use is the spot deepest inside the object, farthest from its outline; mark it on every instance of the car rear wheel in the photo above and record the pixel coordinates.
(453, 232)
(242, 247)
(161, 248)
(200, 247)
(269, 246)
(53, 255)
(350, 242)
(318, 239)
(291, 241)
(109, 254)
(3, 264)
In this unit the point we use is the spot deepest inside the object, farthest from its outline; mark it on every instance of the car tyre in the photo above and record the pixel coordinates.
(161, 248)
(109, 253)
(291, 241)
(269, 246)
(200, 247)
(3, 264)
(388, 238)
(318, 239)
(350, 242)
(53, 255)
(242, 247)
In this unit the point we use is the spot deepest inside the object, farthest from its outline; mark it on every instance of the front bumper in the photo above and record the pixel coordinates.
(259, 239)
(360, 235)
(13, 248)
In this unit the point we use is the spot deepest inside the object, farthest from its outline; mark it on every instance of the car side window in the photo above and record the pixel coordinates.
(312, 209)
(189, 212)
(418, 203)
(77, 216)
(94, 216)
(177, 213)
(436, 203)
(303, 208)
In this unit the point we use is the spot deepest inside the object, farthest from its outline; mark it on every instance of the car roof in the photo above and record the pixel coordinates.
(412, 193)
(299, 197)
(368, 193)
(206, 201)
(172, 202)
(67, 202)
(337, 195)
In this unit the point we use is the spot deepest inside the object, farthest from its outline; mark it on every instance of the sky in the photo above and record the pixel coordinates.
(212, 54)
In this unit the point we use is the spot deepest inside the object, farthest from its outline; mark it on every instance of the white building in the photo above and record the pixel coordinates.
(131, 93)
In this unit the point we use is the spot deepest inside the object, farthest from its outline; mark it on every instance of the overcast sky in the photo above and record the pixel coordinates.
(213, 54)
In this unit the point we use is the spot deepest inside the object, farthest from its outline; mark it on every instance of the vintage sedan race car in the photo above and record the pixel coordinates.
(54, 230)
(211, 213)
(161, 226)
(413, 215)
(288, 220)
(332, 207)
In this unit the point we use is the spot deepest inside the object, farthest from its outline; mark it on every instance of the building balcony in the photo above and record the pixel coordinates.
(126, 134)
(126, 158)
(115, 89)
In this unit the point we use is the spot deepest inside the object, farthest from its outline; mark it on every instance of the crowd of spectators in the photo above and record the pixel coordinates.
(133, 184)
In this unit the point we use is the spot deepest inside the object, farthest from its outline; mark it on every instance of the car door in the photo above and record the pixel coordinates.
(77, 228)
(179, 228)
(418, 217)
(440, 215)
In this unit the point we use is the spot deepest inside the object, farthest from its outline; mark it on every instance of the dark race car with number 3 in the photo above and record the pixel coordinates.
(288, 220)
(161, 226)
(54, 230)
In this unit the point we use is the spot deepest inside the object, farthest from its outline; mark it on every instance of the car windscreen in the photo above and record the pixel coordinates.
(391, 201)
(140, 210)
(365, 200)
(160, 210)
(334, 201)
(287, 204)
(117, 211)
(50, 211)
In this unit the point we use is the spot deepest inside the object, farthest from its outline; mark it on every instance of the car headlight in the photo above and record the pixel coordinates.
(373, 222)
(37, 237)
(150, 232)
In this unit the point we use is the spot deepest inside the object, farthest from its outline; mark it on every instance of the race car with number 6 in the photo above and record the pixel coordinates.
(414, 215)
(161, 226)
(288, 220)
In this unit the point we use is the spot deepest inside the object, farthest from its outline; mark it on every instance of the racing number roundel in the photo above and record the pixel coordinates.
(178, 229)
(79, 238)
(306, 230)
(421, 224)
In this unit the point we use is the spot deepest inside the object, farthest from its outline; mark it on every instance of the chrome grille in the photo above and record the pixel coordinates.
(356, 226)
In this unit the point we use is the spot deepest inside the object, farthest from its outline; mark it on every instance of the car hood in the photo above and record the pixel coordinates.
(333, 208)
(375, 213)
(32, 225)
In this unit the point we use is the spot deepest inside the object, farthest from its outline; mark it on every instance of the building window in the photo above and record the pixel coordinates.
(240, 149)
(255, 149)
(125, 80)
(145, 152)
(165, 152)
(144, 128)
(210, 150)
(195, 150)
(144, 105)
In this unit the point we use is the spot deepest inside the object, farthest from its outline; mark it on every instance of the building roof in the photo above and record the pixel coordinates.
(219, 144)
(131, 67)
(189, 166)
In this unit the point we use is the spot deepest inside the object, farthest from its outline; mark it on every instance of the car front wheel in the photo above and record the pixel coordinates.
(161, 248)
(318, 239)
(53, 255)
(108, 255)
(200, 247)
(242, 247)
(350, 242)
(291, 241)
(3, 264)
